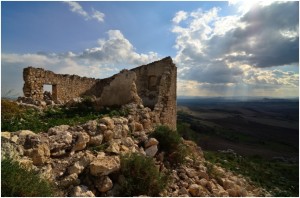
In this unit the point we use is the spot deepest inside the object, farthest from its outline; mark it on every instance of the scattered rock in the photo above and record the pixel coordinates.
(113, 147)
(151, 142)
(105, 165)
(69, 180)
(127, 142)
(138, 126)
(102, 127)
(104, 184)
(96, 140)
(194, 189)
(82, 140)
(40, 154)
(151, 151)
(108, 122)
(6, 135)
(108, 135)
(81, 191)
(58, 129)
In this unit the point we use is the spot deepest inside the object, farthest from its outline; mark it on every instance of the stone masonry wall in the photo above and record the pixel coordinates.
(154, 83)
(64, 87)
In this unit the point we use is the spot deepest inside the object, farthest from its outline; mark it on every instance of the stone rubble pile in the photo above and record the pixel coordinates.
(84, 160)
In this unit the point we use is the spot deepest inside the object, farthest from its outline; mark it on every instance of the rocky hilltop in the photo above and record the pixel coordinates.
(65, 155)
(87, 159)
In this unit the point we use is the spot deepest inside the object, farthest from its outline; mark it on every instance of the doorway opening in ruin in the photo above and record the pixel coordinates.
(50, 92)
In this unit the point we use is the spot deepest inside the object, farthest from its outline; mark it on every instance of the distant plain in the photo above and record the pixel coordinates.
(268, 128)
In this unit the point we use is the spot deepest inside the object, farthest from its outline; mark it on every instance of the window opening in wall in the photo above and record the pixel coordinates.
(47, 92)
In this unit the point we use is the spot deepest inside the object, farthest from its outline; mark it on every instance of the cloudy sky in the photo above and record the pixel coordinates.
(220, 48)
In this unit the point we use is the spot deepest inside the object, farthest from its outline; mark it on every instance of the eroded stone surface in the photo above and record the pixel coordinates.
(104, 165)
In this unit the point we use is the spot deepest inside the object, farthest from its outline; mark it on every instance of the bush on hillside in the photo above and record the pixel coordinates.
(171, 143)
(19, 182)
(141, 176)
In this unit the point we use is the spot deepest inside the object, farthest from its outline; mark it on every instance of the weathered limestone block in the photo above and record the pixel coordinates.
(83, 162)
(102, 127)
(104, 165)
(118, 131)
(151, 142)
(96, 140)
(91, 127)
(69, 180)
(58, 129)
(108, 135)
(127, 142)
(114, 147)
(108, 122)
(82, 140)
(138, 126)
(81, 191)
(60, 141)
(195, 190)
(6, 135)
(104, 184)
(151, 151)
(40, 154)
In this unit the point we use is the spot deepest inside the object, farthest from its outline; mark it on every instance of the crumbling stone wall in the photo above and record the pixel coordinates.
(64, 87)
(156, 85)
(153, 85)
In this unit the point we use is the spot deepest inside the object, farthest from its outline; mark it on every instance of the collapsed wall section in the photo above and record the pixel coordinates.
(156, 85)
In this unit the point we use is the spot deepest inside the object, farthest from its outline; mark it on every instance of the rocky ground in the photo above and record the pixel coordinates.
(84, 160)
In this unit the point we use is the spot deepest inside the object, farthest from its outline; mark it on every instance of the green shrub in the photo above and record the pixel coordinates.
(18, 182)
(170, 142)
(141, 176)
(177, 157)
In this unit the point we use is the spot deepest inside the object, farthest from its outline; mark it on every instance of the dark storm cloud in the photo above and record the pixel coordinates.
(214, 72)
(270, 37)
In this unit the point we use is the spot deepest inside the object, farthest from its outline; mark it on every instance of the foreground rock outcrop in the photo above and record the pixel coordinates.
(84, 160)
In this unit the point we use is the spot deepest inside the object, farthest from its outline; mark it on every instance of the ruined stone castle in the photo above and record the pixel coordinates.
(152, 85)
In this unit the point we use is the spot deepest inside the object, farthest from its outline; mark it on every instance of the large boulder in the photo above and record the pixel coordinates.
(104, 165)
(59, 138)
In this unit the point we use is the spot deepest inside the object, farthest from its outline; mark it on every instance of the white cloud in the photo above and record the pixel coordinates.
(227, 54)
(118, 50)
(77, 8)
(99, 16)
(180, 16)
(112, 55)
